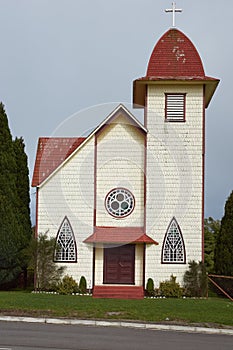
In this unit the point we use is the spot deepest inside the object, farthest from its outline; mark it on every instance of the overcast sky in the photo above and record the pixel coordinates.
(59, 57)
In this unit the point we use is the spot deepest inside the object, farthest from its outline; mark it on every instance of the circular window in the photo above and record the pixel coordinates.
(119, 202)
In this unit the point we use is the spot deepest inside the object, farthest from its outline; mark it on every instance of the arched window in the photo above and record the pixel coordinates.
(65, 250)
(173, 250)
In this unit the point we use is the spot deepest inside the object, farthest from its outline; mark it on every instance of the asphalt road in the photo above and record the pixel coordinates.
(36, 336)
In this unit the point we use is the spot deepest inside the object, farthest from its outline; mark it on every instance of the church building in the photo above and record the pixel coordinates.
(126, 203)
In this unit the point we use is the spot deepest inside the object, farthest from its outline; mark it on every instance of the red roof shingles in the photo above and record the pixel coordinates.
(173, 59)
(104, 234)
(174, 56)
(51, 152)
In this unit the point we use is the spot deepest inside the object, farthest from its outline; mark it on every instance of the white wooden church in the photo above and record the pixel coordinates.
(126, 203)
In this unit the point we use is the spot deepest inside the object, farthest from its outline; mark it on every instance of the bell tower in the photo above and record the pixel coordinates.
(174, 95)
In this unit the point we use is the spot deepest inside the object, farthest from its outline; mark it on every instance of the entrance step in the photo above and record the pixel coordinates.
(118, 292)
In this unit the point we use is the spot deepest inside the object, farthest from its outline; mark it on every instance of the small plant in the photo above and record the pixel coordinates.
(67, 286)
(82, 285)
(150, 290)
(170, 288)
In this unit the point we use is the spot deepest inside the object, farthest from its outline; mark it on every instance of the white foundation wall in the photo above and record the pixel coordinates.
(120, 163)
(174, 178)
(70, 192)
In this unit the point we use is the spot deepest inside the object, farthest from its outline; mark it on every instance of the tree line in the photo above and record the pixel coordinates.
(219, 242)
(17, 245)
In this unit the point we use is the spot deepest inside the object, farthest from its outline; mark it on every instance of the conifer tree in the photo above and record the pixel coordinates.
(9, 229)
(224, 244)
(22, 185)
(10, 247)
(13, 239)
(7, 159)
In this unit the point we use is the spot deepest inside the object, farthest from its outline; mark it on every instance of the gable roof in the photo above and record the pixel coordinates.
(120, 110)
(52, 152)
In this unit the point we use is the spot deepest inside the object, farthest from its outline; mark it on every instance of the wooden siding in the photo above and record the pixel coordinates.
(70, 192)
(120, 163)
(174, 177)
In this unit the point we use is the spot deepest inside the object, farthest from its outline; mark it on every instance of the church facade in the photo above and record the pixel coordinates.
(126, 203)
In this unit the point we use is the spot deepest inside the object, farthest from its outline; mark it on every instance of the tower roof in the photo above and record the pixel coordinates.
(174, 56)
(174, 60)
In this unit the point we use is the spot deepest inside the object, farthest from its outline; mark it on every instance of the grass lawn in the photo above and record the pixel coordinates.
(205, 312)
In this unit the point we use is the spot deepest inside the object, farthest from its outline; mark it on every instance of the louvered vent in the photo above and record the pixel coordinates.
(175, 107)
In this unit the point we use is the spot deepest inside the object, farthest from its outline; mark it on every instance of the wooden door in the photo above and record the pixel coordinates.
(119, 264)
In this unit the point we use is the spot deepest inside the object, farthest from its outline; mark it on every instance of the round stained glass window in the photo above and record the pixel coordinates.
(119, 202)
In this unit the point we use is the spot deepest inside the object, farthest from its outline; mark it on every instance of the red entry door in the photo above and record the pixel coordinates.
(119, 264)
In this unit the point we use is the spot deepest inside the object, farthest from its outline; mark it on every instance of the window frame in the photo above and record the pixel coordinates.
(109, 199)
(175, 119)
(173, 221)
(57, 244)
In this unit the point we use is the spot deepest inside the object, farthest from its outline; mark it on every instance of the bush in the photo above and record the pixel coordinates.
(170, 288)
(150, 290)
(67, 286)
(48, 273)
(196, 280)
(82, 285)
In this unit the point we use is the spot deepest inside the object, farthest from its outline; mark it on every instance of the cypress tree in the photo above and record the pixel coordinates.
(22, 185)
(7, 159)
(10, 247)
(224, 243)
(13, 237)
(8, 203)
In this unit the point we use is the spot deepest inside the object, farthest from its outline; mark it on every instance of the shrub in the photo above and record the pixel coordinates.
(196, 280)
(82, 285)
(47, 272)
(170, 288)
(150, 291)
(67, 286)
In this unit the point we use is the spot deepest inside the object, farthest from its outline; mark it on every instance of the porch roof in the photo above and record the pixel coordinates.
(105, 234)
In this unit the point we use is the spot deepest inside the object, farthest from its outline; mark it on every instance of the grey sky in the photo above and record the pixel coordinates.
(61, 56)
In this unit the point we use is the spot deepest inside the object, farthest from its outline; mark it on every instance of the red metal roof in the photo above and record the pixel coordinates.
(104, 234)
(51, 152)
(174, 56)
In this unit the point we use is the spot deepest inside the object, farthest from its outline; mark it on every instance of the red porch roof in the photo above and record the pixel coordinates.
(104, 234)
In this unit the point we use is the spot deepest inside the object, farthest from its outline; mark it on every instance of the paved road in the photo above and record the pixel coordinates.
(35, 336)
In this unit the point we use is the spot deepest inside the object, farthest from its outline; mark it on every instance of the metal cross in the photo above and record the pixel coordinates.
(173, 10)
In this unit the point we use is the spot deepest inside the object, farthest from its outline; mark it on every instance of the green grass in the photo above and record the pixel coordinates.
(206, 312)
